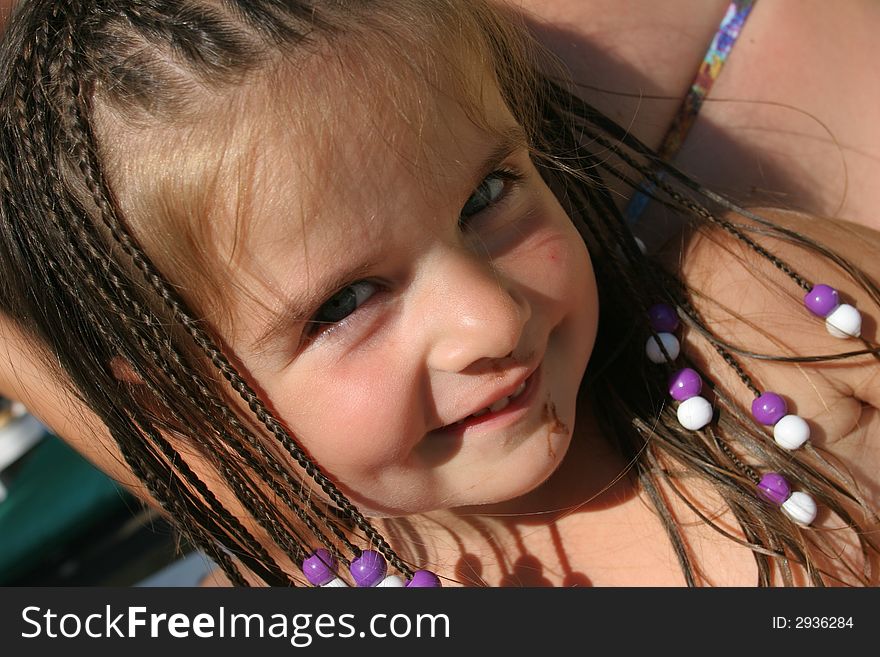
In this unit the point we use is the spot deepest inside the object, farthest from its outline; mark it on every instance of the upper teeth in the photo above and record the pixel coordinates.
(501, 404)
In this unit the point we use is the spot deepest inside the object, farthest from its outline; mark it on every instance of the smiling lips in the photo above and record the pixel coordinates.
(499, 405)
(501, 411)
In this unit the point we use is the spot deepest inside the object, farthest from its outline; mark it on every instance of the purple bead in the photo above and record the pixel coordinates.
(774, 488)
(368, 569)
(821, 300)
(319, 568)
(685, 384)
(769, 408)
(663, 318)
(424, 579)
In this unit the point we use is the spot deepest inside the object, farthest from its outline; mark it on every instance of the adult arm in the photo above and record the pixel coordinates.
(793, 120)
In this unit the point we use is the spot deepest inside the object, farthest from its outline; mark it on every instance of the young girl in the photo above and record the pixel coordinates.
(347, 286)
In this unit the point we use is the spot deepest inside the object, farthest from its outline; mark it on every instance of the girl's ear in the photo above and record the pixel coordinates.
(123, 371)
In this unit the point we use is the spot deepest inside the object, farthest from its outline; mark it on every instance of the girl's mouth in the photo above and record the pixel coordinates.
(498, 406)
(503, 412)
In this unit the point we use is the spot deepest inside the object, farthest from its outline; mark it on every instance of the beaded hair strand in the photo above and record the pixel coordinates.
(54, 54)
(825, 479)
(96, 296)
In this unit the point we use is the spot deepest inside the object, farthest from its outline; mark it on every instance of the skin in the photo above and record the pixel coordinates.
(580, 524)
(451, 318)
(575, 527)
(792, 120)
(586, 526)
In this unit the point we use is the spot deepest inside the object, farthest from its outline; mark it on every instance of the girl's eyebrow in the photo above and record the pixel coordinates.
(505, 143)
(297, 308)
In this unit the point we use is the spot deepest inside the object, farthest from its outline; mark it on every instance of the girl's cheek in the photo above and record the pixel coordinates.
(553, 256)
(356, 414)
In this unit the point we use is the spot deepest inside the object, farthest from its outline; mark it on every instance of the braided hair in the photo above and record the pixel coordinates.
(77, 278)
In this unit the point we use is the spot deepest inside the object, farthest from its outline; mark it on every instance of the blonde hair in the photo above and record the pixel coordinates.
(91, 251)
(182, 148)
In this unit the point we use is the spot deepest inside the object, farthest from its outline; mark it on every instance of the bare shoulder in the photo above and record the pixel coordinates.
(754, 302)
(765, 272)
(634, 59)
(859, 243)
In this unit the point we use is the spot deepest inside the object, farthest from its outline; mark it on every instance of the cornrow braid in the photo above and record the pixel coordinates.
(66, 221)
(84, 239)
(84, 246)
(84, 149)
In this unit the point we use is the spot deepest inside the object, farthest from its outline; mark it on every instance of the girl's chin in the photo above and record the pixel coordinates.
(524, 483)
(493, 485)
(479, 501)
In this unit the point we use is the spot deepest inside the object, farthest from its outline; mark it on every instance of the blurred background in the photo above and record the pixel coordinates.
(65, 523)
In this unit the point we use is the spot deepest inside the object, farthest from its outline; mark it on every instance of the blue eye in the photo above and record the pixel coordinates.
(488, 193)
(342, 304)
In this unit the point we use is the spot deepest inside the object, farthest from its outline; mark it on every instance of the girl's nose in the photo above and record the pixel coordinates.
(471, 312)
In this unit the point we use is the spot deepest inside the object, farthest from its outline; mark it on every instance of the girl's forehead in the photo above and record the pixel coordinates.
(329, 140)
(362, 190)
(302, 150)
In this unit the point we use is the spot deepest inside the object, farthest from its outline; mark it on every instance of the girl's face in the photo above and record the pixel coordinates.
(394, 277)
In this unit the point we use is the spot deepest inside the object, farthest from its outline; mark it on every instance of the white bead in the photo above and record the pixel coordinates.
(844, 322)
(791, 432)
(695, 413)
(335, 583)
(800, 507)
(391, 582)
(653, 349)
